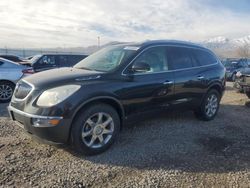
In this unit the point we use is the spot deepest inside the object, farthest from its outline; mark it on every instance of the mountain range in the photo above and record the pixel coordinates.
(226, 43)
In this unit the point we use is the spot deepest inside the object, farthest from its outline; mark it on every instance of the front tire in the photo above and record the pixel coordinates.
(209, 106)
(95, 129)
(6, 91)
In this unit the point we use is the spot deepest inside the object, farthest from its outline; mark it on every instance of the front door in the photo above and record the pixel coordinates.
(150, 90)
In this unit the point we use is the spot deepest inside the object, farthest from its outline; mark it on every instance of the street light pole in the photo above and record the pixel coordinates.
(98, 41)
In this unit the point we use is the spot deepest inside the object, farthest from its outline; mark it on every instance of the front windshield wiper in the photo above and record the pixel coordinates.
(86, 68)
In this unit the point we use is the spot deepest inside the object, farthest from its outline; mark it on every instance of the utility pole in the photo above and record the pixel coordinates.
(98, 41)
(6, 50)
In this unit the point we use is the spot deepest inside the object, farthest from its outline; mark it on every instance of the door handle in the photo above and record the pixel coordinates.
(168, 82)
(200, 77)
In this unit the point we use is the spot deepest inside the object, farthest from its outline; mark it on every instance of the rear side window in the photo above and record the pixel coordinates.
(204, 58)
(74, 59)
(62, 61)
(68, 60)
(180, 58)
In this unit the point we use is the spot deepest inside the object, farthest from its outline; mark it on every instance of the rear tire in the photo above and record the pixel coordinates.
(95, 129)
(6, 91)
(209, 106)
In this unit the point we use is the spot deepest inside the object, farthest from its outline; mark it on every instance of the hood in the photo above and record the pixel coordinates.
(56, 77)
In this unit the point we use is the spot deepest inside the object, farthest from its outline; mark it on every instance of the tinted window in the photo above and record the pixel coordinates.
(180, 58)
(1, 63)
(203, 57)
(155, 58)
(46, 61)
(62, 60)
(74, 59)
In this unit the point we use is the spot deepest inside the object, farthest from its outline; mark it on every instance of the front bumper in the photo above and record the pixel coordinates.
(54, 133)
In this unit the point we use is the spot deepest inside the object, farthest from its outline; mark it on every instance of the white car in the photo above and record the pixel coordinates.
(10, 73)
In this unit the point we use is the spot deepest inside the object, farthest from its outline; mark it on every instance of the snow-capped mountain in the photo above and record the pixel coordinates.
(226, 43)
(243, 40)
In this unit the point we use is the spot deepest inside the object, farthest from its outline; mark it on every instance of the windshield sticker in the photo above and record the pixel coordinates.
(135, 48)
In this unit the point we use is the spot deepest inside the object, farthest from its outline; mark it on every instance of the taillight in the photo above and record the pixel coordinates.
(28, 71)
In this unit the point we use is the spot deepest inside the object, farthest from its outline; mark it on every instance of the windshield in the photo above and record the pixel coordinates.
(108, 58)
(34, 59)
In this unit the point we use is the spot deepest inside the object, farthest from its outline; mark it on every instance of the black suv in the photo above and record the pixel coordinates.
(88, 104)
(44, 62)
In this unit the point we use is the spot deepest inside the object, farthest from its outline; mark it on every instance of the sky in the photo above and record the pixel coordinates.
(78, 23)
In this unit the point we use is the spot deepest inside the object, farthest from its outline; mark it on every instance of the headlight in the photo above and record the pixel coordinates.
(56, 95)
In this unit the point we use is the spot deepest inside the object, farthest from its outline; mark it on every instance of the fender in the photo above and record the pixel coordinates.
(98, 98)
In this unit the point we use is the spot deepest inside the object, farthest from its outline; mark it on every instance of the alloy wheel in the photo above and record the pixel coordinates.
(211, 105)
(5, 92)
(97, 130)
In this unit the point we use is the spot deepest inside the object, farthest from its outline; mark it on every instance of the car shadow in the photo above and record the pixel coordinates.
(178, 141)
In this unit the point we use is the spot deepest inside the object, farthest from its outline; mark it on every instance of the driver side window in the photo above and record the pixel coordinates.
(155, 58)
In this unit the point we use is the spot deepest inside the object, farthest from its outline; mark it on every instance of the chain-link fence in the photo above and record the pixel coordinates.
(31, 52)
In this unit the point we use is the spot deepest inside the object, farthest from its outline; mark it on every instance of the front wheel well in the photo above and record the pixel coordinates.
(217, 88)
(8, 81)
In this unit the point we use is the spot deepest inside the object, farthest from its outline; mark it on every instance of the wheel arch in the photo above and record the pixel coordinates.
(8, 81)
(115, 103)
(217, 87)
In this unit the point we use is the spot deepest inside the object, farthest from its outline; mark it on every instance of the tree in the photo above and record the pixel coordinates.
(244, 51)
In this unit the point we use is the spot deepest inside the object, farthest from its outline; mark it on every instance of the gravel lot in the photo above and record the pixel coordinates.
(172, 151)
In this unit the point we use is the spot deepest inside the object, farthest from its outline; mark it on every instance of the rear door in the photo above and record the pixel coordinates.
(190, 78)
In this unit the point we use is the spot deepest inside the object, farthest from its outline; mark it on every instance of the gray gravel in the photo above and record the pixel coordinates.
(175, 150)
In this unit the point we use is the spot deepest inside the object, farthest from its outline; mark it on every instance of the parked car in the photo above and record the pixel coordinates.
(234, 66)
(44, 62)
(242, 82)
(10, 73)
(88, 104)
(13, 58)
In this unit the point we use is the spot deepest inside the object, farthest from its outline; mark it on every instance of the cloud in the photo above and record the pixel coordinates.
(70, 23)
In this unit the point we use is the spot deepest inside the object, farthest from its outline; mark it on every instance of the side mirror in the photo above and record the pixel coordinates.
(140, 67)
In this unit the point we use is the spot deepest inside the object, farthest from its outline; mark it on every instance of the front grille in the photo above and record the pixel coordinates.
(22, 90)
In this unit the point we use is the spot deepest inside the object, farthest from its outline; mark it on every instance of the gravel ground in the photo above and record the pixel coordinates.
(172, 151)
